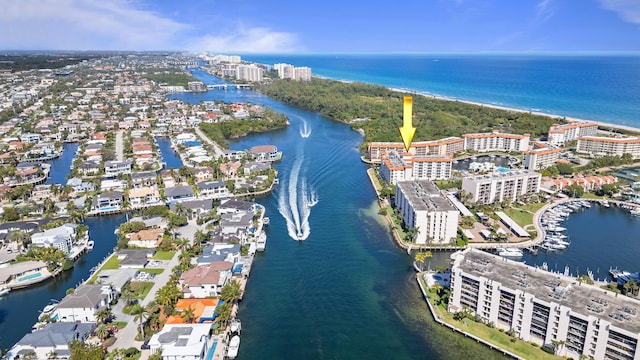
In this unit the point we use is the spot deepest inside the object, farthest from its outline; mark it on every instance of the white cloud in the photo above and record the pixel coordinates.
(545, 9)
(628, 10)
(244, 39)
(118, 25)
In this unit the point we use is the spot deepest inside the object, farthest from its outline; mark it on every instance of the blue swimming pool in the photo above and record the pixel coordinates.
(29, 277)
(212, 350)
(503, 170)
(437, 278)
(237, 268)
(109, 208)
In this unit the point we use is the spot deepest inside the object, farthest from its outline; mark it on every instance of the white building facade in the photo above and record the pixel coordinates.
(499, 187)
(425, 208)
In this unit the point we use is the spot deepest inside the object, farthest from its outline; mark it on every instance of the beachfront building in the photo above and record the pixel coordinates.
(560, 134)
(501, 186)
(496, 141)
(397, 166)
(302, 73)
(545, 308)
(266, 153)
(541, 156)
(182, 341)
(606, 146)
(445, 147)
(424, 207)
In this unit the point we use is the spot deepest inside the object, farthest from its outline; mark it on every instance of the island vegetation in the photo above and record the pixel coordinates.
(168, 76)
(376, 110)
(267, 120)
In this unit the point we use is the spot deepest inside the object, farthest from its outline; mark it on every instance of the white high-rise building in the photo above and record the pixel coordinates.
(424, 207)
(302, 73)
(251, 73)
(285, 71)
(501, 186)
(396, 167)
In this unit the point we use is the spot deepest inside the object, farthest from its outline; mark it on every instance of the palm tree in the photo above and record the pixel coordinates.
(230, 292)
(167, 297)
(103, 315)
(102, 332)
(224, 314)
(140, 315)
(420, 259)
(188, 316)
(127, 296)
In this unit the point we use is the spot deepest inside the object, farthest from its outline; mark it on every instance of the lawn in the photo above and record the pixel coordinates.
(521, 217)
(163, 255)
(111, 264)
(376, 183)
(152, 271)
(492, 335)
(140, 289)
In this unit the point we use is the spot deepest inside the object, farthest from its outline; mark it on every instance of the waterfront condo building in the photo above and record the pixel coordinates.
(541, 156)
(251, 73)
(606, 146)
(496, 141)
(559, 134)
(397, 166)
(302, 73)
(501, 186)
(545, 308)
(424, 207)
(447, 146)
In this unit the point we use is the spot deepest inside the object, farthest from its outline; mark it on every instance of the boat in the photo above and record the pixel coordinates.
(234, 345)
(90, 244)
(4, 292)
(266, 221)
(300, 236)
(261, 242)
(235, 326)
(510, 252)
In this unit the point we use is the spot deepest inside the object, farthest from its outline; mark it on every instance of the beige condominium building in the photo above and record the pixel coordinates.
(559, 134)
(496, 141)
(501, 186)
(396, 166)
(447, 146)
(424, 207)
(541, 156)
(606, 146)
(583, 321)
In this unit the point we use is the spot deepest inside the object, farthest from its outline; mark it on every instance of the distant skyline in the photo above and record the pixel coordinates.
(328, 26)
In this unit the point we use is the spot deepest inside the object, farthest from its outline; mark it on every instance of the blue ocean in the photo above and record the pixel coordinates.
(603, 87)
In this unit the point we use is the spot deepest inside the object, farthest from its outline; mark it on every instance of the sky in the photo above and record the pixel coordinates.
(326, 26)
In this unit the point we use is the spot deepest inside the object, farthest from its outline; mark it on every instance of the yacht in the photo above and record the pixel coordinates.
(4, 291)
(266, 221)
(300, 236)
(235, 326)
(234, 345)
(261, 242)
(90, 244)
(510, 252)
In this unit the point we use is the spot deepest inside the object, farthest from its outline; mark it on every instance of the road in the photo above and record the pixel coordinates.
(218, 152)
(125, 338)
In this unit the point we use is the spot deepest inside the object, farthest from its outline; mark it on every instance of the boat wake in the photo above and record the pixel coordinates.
(294, 203)
(305, 130)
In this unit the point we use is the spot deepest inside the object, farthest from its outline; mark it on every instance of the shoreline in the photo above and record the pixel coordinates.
(601, 124)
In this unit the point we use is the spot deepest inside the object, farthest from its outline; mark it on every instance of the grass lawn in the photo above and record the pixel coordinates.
(521, 217)
(492, 335)
(111, 264)
(376, 183)
(119, 324)
(163, 255)
(140, 288)
(152, 271)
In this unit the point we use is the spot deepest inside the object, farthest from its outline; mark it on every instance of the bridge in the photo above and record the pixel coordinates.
(227, 86)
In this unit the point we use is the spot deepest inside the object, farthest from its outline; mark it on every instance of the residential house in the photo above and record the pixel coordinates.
(61, 238)
(219, 252)
(82, 304)
(212, 189)
(107, 201)
(182, 341)
(255, 167)
(179, 193)
(202, 173)
(144, 196)
(115, 167)
(167, 178)
(195, 208)
(134, 258)
(266, 153)
(147, 238)
(54, 338)
(206, 280)
(80, 186)
(144, 179)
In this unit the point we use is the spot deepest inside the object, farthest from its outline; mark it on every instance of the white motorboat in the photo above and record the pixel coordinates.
(234, 346)
(90, 244)
(510, 252)
(235, 326)
(4, 292)
(261, 242)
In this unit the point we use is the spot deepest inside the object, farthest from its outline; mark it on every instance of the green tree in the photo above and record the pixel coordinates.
(188, 315)
(102, 332)
(83, 351)
(140, 315)
(230, 292)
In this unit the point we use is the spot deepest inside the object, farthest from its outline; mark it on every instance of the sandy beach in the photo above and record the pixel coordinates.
(602, 125)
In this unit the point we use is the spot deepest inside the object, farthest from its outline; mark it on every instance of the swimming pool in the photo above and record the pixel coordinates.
(437, 277)
(109, 208)
(237, 268)
(503, 170)
(212, 350)
(29, 277)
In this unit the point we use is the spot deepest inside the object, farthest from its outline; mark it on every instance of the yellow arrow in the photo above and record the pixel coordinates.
(407, 130)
